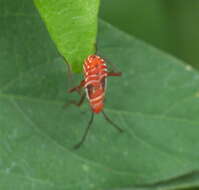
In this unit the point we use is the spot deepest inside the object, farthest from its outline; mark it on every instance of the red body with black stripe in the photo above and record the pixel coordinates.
(95, 73)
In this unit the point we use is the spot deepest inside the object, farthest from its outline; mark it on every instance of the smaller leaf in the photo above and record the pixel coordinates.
(72, 26)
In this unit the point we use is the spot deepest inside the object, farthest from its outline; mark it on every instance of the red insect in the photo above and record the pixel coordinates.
(95, 77)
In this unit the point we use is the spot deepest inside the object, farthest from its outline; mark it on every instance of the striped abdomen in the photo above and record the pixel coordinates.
(95, 73)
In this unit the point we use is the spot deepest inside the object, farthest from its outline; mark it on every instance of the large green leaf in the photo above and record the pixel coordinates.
(155, 101)
(72, 25)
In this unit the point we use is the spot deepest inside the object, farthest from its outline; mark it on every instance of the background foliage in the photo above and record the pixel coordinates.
(171, 25)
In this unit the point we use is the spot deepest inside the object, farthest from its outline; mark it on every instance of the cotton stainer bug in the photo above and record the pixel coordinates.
(94, 83)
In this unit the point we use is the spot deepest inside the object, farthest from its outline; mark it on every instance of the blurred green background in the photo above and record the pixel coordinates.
(170, 25)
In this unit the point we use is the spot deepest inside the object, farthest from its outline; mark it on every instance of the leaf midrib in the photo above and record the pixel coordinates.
(124, 112)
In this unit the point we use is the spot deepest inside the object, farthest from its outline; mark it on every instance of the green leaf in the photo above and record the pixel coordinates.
(188, 181)
(155, 101)
(72, 26)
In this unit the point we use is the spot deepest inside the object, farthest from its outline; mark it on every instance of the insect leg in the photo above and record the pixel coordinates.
(69, 73)
(69, 69)
(113, 69)
(77, 103)
(114, 74)
(111, 122)
(85, 133)
(77, 88)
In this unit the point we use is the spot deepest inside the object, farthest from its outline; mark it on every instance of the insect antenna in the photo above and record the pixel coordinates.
(111, 122)
(85, 133)
(69, 69)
